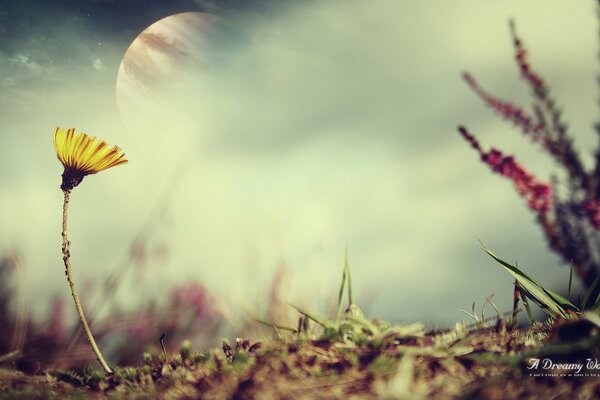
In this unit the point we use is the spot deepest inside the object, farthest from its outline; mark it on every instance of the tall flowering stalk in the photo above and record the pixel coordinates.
(570, 221)
(81, 155)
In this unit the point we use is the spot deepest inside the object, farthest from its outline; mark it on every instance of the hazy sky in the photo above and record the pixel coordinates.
(314, 124)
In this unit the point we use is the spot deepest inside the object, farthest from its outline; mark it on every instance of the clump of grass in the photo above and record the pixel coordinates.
(350, 323)
(552, 303)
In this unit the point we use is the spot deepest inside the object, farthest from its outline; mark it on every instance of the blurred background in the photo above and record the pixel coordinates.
(265, 137)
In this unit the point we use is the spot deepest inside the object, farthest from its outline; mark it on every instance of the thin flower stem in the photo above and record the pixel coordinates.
(66, 258)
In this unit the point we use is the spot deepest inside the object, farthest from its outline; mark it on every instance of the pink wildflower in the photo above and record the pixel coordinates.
(537, 194)
(536, 82)
(194, 296)
(508, 111)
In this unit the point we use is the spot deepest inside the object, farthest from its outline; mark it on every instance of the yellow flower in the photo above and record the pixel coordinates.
(83, 155)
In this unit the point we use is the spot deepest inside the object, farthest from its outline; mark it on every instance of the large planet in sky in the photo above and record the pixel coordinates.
(156, 72)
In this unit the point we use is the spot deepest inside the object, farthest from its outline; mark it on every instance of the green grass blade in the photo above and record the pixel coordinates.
(347, 269)
(563, 301)
(570, 281)
(551, 302)
(588, 293)
(526, 304)
(507, 265)
(544, 306)
(319, 320)
(340, 298)
(275, 326)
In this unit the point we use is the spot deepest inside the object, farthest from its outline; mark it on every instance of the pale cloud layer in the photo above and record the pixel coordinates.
(322, 125)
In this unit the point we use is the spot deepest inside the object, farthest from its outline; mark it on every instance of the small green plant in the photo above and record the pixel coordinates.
(552, 303)
(350, 324)
(147, 357)
(186, 350)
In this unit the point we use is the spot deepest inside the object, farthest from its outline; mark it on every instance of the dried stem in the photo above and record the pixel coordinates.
(66, 258)
(162, 344)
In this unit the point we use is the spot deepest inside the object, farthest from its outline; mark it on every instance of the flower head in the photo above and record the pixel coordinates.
(83, 155)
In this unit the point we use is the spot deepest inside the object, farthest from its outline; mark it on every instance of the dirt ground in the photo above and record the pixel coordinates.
(466, 362)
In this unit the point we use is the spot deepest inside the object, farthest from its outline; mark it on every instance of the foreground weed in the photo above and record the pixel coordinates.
(350, 324)
(553, 304)
(570, 218)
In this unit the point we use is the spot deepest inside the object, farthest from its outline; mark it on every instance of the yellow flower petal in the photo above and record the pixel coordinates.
(83, 155)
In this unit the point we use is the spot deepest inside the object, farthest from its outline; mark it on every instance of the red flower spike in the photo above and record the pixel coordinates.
(537, 194)
(508, 111)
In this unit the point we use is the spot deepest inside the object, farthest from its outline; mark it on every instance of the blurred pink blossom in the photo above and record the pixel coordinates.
(537, 194)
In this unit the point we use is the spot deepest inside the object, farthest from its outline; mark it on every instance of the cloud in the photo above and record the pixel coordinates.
(315, 126)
